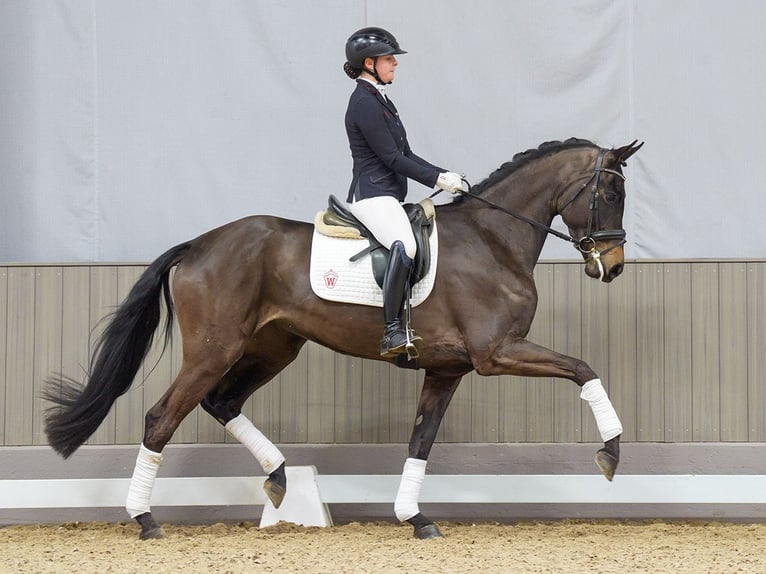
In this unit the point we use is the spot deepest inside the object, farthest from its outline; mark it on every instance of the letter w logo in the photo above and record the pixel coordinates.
(330, 279)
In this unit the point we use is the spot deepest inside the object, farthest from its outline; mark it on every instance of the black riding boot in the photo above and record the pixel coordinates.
(395, 284)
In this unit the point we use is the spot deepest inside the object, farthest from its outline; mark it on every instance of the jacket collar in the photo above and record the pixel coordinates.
(373, 91)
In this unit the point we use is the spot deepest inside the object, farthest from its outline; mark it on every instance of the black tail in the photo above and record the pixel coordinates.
(116, 358)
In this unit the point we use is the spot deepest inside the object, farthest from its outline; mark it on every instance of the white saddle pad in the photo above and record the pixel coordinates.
(335, 278)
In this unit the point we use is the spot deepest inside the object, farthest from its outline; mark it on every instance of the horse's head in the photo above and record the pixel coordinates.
(593, 212)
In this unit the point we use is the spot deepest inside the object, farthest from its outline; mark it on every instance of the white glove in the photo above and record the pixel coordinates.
(450, 181)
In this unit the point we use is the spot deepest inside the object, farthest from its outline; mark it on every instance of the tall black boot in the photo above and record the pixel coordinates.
(395, 284)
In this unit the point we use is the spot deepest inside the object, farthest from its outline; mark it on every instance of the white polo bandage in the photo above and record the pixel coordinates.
(406, 504)
(607, 421)
(262, 448)
(142, 482)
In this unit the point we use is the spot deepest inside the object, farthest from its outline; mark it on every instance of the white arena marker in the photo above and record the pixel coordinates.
(302, 504)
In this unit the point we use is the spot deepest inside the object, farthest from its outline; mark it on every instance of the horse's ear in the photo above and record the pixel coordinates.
(622, 154)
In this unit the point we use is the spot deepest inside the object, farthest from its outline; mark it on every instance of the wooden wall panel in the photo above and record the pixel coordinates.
(293, 400)
(732, 278)
(705, 352)
(47, 348)
(595, 346)
(540, 427)
(756, 350)
(512, 406)
(376, 402)
(622, 335)
(678, 345)
(567, 325)
(348, 400)
(20, 350)
(485, 398)
(650, 353)
(677, 351)
(3, 348)
(321, 395)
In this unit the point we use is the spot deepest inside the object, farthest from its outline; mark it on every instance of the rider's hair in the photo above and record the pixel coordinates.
(351, 72)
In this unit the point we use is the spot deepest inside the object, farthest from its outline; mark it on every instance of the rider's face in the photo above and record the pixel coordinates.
(386, 66)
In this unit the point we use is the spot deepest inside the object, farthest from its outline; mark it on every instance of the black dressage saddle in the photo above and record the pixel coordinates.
(422, 225)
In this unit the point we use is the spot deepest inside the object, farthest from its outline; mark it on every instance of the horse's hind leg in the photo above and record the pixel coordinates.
(192, 383)
(434, 399)
(224, 402)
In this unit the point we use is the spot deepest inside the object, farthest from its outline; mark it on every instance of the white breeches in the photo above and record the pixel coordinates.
(384, 216)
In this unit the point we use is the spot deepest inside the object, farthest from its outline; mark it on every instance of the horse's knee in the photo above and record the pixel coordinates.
(583, 372)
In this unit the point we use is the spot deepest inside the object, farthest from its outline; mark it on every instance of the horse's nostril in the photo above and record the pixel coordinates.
(616, 270)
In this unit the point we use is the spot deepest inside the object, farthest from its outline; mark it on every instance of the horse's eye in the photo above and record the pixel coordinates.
(611, 196)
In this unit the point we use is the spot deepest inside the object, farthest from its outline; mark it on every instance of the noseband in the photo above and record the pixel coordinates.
(587, 243)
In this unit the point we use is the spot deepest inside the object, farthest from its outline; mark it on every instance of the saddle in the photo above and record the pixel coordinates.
(338, 221)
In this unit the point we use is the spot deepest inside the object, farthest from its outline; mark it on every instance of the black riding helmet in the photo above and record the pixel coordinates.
(369, 43)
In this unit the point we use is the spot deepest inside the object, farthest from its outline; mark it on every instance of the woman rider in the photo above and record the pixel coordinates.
(382, 162)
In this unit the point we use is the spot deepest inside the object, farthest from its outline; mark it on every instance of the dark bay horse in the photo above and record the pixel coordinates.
(243, 302)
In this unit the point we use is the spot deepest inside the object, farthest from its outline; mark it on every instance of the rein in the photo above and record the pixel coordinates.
(518, 216)
(587, 243)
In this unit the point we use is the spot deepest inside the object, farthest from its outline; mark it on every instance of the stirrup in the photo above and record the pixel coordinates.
(411, 344)
(414, 342)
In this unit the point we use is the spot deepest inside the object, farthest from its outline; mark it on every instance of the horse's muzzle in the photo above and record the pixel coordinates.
(605, 266)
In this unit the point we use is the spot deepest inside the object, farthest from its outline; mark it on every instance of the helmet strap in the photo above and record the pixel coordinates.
(374, 71)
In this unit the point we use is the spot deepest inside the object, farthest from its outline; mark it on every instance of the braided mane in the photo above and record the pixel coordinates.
(523, 158)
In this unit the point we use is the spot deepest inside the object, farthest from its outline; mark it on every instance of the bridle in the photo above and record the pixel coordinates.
(587, 243)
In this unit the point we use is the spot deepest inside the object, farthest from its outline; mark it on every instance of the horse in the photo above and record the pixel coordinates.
(244, 306)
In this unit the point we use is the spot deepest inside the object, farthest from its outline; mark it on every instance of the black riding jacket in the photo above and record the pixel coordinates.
(382, 157)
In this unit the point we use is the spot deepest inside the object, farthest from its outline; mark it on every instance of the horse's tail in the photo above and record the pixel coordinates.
(116, 358)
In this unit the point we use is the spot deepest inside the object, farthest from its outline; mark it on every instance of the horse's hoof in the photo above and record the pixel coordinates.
(152, 533)
(607, 463)
(428, 531)
(275, 491)
(150, 530)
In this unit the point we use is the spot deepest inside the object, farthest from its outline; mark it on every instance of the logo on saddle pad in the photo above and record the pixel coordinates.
(330, 279)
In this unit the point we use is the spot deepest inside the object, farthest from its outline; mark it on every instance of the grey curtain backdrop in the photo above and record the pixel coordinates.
(129, 126)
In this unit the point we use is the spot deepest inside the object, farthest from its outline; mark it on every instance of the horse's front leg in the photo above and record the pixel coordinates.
(520, 357)
(434, 400)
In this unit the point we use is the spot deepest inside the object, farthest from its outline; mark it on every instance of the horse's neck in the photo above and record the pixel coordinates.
(529, 197)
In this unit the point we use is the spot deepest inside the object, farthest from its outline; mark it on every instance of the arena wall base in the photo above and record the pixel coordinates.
(500, 482)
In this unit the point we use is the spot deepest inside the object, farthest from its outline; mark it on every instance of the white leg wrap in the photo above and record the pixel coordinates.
(262, 448)
(607, 421)
(406, 504)
(140, 491)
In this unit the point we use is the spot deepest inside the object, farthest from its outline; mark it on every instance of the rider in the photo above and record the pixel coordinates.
(382, 162)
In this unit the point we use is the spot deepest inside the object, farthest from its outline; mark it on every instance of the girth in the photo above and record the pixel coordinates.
(421, 216)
